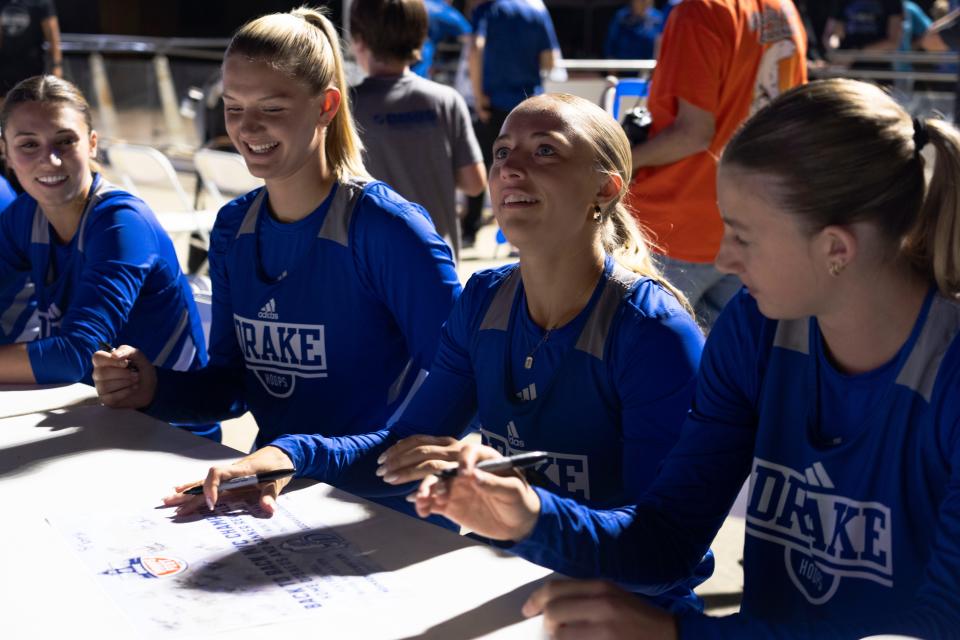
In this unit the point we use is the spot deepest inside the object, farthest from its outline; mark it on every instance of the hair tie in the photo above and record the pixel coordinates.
(920, 135)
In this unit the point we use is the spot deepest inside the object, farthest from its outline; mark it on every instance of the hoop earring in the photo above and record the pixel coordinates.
(597, 213)
(835, 269)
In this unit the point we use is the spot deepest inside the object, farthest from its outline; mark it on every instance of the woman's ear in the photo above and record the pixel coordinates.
(93, 144)
(610, 188)
(329, 105)
(837, 246)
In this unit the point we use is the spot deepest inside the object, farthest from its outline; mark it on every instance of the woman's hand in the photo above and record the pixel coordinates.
(417, 457)
(597, 610)
(125, 378)
(261, 461)
(498, 507)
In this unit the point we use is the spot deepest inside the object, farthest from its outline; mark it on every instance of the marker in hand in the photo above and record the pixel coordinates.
(105, 346)
(519, 461)
(245, 481)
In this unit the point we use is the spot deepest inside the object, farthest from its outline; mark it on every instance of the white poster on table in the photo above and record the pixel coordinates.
(229, 569)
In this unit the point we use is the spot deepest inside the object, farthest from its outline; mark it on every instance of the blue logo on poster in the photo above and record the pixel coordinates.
(149, 567)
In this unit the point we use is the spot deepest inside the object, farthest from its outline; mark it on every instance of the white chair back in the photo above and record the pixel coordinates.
(224, 174)
(141, 166)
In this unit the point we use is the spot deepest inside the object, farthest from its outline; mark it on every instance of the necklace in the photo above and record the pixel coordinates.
(528, 361)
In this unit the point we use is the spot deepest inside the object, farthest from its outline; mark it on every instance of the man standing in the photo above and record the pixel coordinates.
(720, 61)
(514, 43)
(24, 26)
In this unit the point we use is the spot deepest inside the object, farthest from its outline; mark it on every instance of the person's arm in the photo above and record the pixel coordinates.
(471, 173)
(441, 408)
(654, 363)
(548, 60)
(934, 40)
(894, 33)
(404, 262)
(690, 73)
(833, 34)
(691, 132)
(51, 33)
(215, 392)
(475, 67)
(655, 545)
(472, 179)
(15, 365)
(14, 361)
(119, 253)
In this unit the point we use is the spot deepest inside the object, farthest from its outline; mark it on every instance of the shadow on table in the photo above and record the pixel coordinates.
(94, 427)
(491, 615)
(312, 559)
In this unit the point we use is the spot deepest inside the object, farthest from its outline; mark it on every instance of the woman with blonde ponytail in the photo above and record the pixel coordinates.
(329, 289)
(832, 382)
(567, 352)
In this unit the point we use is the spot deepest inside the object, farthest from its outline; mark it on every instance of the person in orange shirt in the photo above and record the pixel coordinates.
(720, 61)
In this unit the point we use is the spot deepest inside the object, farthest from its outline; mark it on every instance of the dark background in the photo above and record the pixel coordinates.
(581, 24)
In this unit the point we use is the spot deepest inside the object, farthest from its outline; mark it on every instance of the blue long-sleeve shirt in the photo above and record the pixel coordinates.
(322, 325)
(853, 520)
(117, 281)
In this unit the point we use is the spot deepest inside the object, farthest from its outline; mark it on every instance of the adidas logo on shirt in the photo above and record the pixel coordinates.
(269, 311)
(513, 437)
(529, 393)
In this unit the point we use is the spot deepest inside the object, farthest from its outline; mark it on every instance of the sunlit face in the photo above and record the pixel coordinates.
(49, 148)
(272, 119)
(544, 182)
(766, 247)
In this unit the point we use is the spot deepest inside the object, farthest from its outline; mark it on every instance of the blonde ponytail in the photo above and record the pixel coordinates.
(933, 245)
(304, 45)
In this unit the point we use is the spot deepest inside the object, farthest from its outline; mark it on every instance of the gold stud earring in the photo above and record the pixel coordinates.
(596, 213)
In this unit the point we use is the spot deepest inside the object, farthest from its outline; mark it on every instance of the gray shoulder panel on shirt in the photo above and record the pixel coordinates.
(595, 332)
(942, 325)
(793, 335)
(498, 313)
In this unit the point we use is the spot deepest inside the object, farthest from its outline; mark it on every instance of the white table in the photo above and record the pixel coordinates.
(97, 460)
(20, 399)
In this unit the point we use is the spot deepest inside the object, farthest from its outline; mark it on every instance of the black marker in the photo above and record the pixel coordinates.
(105, 346)
(519, 461)
(245, 481)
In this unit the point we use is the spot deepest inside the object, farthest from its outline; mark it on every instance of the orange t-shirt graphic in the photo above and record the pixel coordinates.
(729, 57)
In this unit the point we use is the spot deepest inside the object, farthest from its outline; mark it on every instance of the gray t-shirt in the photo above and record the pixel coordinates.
(417, 134)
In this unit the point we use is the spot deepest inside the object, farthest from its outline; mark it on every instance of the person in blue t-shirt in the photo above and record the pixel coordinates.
(329, 289)
(91, 261)
(443, 23)
(832, 381)
(581, 349)
(634, 32)
(514, 44)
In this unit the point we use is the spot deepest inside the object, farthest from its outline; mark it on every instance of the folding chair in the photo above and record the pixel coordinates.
(223, 172)
(138, 167)
(623, 88)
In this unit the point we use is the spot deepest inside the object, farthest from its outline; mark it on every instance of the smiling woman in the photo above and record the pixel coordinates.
(581, 349)
(329, 289)
(98, 266)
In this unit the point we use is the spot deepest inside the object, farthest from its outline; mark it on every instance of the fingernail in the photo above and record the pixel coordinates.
(440, 489)
(381, 471)
(382, 458)
(411, 497)
(391, 478)
(209, 504)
